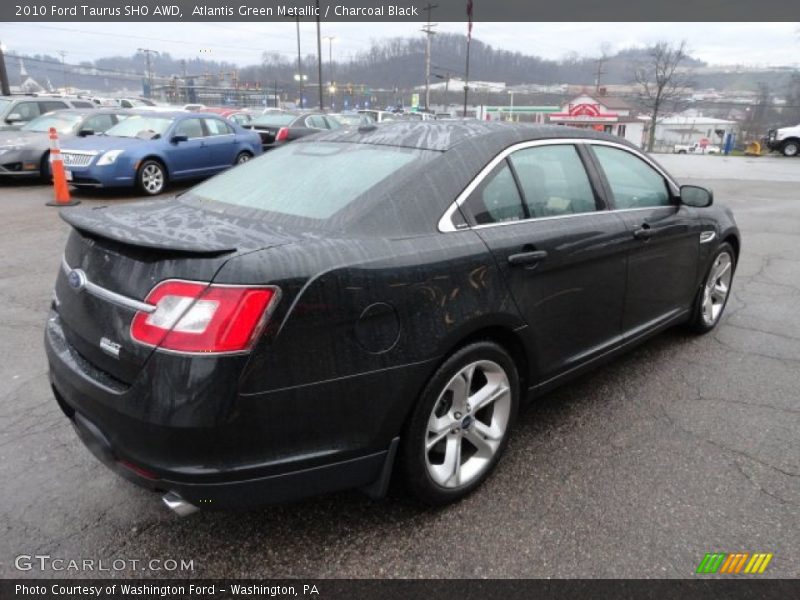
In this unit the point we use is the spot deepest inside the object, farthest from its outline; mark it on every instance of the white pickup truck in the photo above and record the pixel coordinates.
(696, 149)
(785, 140)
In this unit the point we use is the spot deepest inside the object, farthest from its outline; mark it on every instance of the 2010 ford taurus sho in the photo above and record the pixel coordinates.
(370, 304)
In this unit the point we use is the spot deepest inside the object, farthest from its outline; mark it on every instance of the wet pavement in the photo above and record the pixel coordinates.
(684, 446)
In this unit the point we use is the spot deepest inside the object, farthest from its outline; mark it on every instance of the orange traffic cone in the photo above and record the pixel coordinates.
(60, 187)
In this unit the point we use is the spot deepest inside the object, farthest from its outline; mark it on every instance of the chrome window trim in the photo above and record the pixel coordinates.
(105, 294)
(446, 224)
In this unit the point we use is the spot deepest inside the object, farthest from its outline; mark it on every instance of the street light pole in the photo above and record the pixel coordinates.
(428, 31)
(63, 69)
(319, 60)
(511, 110)
(332, 88)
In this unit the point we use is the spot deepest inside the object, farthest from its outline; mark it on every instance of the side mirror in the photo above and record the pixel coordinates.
(696, 196)
(179, 138)
(13, 118)
(85, 132)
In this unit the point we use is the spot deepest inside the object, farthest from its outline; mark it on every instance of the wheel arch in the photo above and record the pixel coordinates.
(156, 157)
(733, 240)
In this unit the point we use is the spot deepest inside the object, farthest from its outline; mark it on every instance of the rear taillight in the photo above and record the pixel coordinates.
(203, 318)
(282, 135)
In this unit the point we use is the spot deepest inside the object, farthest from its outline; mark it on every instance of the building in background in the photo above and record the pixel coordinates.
(601, 113)
(692, 128)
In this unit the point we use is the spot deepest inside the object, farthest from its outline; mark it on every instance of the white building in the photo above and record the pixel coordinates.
(601, 113)
(692, 128)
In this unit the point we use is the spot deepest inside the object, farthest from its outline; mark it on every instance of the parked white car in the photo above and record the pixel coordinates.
(696, 149)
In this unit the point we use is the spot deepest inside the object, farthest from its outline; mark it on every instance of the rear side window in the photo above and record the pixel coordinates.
(634, 183)
(317, 122)
(49, 105)
(217, 127)
(82, 104)
(496, 199)
(553, 180)
(310, 180)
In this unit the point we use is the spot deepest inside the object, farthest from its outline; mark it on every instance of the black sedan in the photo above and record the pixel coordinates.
(276, 128)
(253, 342)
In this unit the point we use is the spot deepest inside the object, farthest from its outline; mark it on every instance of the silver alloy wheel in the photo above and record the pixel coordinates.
(791, 149)
(152, 178)
(468, 423)
(716, 289)
(242, 158)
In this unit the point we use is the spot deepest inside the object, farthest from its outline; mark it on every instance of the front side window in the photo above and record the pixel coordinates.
(27, 110)
(191, 128)
(553, 180)
(496, 199)
(53, 105)
(633, 182)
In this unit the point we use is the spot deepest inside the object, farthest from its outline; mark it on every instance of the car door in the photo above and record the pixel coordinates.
(189, 157)
(561, 252)
(221, 143)
(663, 238)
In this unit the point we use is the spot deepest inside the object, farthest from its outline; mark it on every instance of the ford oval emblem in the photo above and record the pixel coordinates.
(76, 279)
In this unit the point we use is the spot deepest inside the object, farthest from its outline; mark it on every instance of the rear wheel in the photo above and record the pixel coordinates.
(242, 158)
(791, 148)
(461, 424)
(151, 177)
(713, 296)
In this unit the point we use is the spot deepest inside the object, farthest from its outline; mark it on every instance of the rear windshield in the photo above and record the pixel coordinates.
(137, 125)
(274, 120)
(312, 180)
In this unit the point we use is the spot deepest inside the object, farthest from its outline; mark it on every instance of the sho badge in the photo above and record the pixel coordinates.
(109, 347)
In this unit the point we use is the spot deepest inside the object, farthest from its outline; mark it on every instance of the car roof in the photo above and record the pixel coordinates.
(444, 135)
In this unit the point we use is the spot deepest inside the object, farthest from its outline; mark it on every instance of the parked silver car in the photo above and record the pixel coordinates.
(26, 151)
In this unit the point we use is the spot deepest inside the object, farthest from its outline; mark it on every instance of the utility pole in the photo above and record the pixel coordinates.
(300, 65)
(5, 88)
(429, 32)
(147, 54)
(319, 60)
(599, 73)
(63, 69)
(332, 89)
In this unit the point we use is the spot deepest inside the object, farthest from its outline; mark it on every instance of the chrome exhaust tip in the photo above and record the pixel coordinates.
(178, 505)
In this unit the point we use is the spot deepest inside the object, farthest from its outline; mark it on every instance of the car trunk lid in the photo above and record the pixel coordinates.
(114, 258)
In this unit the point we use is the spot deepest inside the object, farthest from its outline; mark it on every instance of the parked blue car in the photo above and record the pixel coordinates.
(149, 149)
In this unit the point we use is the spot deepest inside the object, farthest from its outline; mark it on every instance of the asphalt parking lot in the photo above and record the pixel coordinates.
(685, 446)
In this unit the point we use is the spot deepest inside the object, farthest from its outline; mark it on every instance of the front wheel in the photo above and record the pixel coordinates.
(713, 296)
(461, 424)
(791, 148)
(151, 177)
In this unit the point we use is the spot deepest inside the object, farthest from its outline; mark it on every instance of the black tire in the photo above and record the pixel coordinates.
(413, 458)
(45, 173)
(242, 157)
(791, 148)
(698, 323)
(146, 176)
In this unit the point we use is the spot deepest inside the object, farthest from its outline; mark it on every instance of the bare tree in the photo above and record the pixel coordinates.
(661, 82)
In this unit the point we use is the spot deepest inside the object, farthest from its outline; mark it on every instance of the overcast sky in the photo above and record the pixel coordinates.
(760, 44)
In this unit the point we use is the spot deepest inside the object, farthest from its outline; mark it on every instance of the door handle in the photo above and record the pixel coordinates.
(643, 233)
(527, 258)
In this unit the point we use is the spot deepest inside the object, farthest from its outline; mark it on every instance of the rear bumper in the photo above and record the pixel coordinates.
(278, 446)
